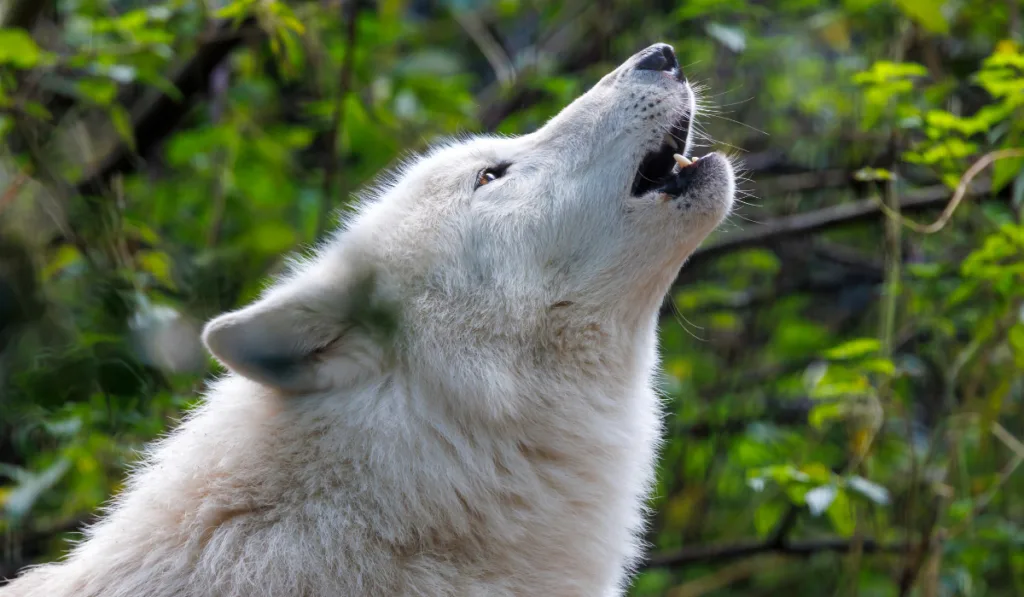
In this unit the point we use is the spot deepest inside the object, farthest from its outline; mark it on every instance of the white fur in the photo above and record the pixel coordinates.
(495, 434)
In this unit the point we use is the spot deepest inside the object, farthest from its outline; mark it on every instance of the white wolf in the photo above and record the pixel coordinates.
(453, 396)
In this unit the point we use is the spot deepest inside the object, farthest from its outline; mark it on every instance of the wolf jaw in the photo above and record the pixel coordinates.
(658, 167)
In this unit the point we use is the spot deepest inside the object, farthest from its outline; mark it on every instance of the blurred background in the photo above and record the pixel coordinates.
(844, 358)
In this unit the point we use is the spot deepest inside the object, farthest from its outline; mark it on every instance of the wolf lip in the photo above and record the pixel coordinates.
(656, 168)
(680, 180)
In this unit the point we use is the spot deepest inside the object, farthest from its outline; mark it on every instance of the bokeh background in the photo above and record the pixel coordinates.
(844, 359)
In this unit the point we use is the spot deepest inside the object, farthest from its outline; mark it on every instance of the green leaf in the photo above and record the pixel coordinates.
(18, 49)
(1005, 171)
(36, 110)
(884, 71)
(796, 492)
(840, 513)
(927, 13)
(122, 122)
(842, 388)
(1016, 340)
(858, 347)
(946, 148)
(158, 265)
(97, 91)
(945, 122)
(767, 517)
(925, 270)
(880, 366)
(799, 337)
(272, 237)
(824, 413)
(236, 9)
(653, 582)
(873, 174)
(761, 260)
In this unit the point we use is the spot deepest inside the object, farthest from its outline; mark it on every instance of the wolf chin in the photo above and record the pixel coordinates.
(453, 396)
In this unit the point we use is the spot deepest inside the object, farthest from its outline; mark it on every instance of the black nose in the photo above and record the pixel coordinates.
(658, 57)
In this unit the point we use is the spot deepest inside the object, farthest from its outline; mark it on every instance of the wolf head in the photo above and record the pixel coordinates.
(492, 254)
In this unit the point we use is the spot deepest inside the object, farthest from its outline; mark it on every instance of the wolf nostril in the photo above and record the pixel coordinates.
(659, 57)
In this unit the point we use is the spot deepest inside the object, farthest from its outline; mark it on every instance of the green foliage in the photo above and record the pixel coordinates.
(927, 13)
(793, 415)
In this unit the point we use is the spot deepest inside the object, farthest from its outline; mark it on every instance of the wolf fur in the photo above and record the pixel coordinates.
(452, 397)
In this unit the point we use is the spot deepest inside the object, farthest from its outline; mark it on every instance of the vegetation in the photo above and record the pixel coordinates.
(844, 360)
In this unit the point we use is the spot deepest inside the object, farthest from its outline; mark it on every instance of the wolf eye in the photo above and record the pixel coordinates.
(490, 175)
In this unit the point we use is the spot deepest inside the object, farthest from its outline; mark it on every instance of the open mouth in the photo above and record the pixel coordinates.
(657, 168)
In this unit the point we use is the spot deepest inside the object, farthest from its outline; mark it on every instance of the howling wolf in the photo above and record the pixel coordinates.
(453, 395)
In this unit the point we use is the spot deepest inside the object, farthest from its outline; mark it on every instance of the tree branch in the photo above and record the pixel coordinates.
(802, 181)
(722, 553)
(827, 219)
(156, 115)
(22, 13)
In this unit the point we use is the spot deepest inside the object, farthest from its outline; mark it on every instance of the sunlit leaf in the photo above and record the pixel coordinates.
(1005, 171)
(158, 265)
(820, 498)
(730, 37)
(880, 366)
(18, 49)
(928, 13)
(23, 496)
(64, 257)
(873, 174)
(873, 491)
(852, 349)
(825, 413)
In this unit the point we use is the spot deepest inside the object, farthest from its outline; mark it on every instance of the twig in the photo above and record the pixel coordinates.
(570, 43)
(893, 260)
(1018, 458)
(496, 56)
(12, 190)
(331, 166)
(961, 190)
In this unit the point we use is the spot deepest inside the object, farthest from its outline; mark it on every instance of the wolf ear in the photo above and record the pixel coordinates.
(276, 340)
